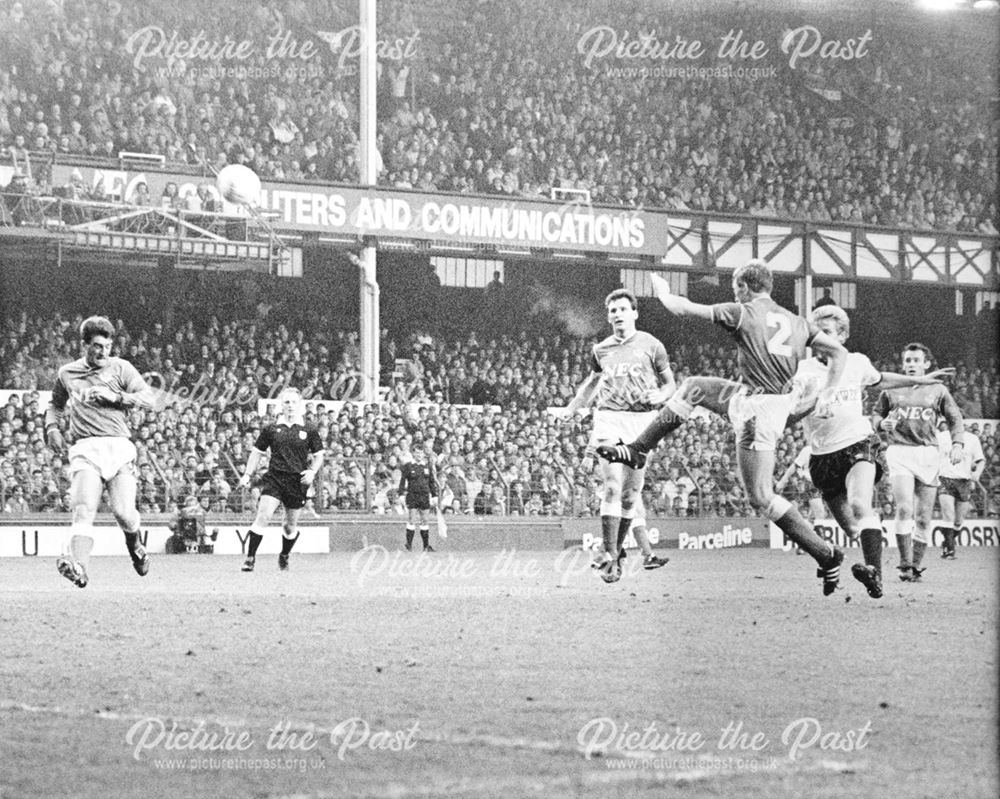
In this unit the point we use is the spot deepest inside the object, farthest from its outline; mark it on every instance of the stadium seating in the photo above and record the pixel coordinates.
(902, 137)
(480, 403)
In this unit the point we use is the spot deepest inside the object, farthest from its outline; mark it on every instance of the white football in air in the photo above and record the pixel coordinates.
(238, 184)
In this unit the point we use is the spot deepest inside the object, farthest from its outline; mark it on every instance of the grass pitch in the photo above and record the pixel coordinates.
(486, 675)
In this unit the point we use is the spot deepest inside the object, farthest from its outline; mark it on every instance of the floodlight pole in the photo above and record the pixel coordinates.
(369, 175)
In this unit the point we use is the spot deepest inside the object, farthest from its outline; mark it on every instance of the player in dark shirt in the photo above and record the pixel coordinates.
(418, 484)
(96, 394)
(770, 343)
(908, 418)
(296, 456)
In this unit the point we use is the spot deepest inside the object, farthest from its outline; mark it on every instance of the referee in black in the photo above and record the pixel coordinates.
(418, 484)
(296, 456)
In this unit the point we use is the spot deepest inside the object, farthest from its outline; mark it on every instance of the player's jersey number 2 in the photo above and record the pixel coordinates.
(778, 344)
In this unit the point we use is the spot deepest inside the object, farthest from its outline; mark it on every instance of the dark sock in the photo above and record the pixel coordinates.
(801, 532)
(609, 531)
(425, 536)
(949, 538)
(662, 426)
(131, 539)
(919, 548)
(871, 546)
(623, 527)
(409, 535)
(253, 541)
(287, 544)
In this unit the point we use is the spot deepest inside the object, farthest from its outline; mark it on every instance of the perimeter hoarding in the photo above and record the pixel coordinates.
(973, 533)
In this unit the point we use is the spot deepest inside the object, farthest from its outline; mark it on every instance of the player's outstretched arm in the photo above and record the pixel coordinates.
(679, 306)
(896, 380)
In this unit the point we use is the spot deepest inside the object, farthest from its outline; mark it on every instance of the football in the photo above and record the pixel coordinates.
(238, 185)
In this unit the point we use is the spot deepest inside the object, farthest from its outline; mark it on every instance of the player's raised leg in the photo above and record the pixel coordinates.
(121, 492)
(711, 393)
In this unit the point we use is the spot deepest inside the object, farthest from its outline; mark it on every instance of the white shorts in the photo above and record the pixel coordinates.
(106, 455)
(923, 464)
(610, 427)
(759, 419)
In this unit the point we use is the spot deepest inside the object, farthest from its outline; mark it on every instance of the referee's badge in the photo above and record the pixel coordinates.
(302, 434)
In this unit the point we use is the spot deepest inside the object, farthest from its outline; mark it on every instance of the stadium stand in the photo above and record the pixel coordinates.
(481, 404)
(872, 140)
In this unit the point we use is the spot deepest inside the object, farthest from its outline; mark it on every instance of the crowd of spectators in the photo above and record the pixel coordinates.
(497, 98)
(479, 403)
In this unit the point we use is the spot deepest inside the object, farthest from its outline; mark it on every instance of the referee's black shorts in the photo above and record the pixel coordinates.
(286, 487)
(418, 501)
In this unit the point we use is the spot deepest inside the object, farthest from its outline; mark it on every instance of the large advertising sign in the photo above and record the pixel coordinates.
(974, 533)
(28, 540)
(692, 534)
(346, 211)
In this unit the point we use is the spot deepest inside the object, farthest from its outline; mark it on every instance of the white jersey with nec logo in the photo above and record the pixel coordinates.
(628, 368)
(847, 423)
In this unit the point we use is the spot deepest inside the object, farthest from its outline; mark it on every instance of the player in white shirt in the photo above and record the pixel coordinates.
(958, 480)
(846, 460)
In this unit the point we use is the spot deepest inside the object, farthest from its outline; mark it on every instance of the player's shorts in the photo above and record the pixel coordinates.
(921, 463)
(958, 487)
(829, 472)
(286, 487)
(610, 427)
(106, 455)
(759, 419)
(418, 501)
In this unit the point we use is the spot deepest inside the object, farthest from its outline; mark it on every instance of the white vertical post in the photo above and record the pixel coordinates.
(369, 175)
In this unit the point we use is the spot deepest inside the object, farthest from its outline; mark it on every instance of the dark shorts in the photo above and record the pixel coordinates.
(286, 487)
(957, 487)
(829, 472)
(418, 501)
